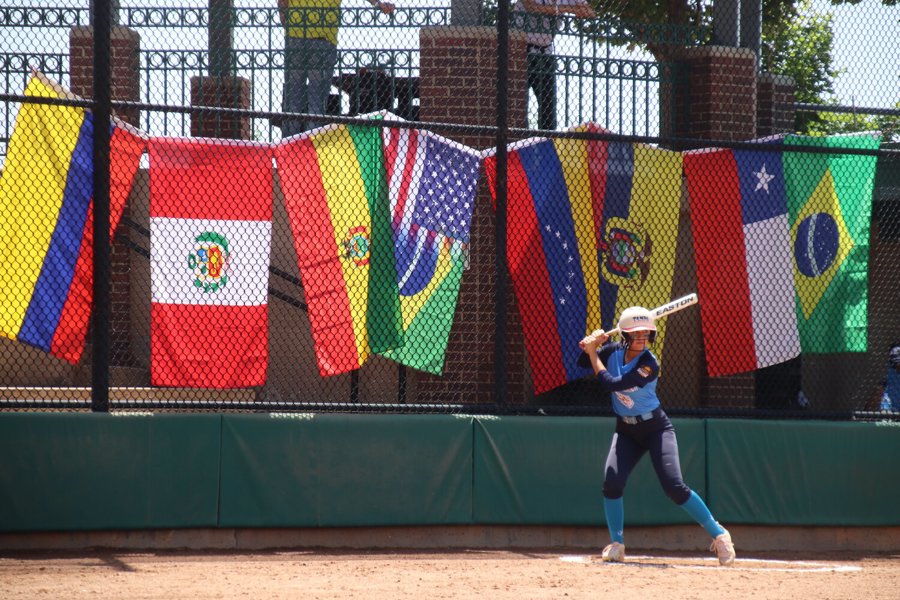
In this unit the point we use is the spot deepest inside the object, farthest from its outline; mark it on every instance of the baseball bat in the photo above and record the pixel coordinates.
(665, 310)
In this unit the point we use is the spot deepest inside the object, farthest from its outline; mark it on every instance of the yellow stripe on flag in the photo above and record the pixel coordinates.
(349, 207)
(655, 205)
(411, 305)
(31, 194)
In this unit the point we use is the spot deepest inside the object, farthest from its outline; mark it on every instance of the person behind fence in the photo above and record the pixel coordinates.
(629, 371)
(537, 19)
(310, 54)
(890, 399)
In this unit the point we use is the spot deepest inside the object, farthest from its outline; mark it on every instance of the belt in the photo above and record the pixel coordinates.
(634, 420)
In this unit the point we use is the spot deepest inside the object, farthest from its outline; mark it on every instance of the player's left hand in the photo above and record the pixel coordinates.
(593, 340)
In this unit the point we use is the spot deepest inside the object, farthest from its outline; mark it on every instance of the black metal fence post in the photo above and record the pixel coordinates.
(500, 333)
(102, 20)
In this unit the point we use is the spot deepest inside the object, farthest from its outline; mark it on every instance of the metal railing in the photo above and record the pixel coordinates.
(596, 81)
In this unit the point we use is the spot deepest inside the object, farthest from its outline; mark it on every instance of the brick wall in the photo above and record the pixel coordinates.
(774, 104)
(220, 92)
(714, 94)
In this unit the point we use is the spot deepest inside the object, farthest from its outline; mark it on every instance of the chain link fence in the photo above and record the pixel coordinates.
(425, 208)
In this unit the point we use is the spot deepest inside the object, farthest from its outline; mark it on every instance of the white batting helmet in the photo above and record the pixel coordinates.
(636, 318)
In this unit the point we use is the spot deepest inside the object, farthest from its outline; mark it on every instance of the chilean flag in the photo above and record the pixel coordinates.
(742, 244)
(210, 237)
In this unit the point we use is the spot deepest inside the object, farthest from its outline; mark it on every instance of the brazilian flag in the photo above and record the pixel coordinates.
(829, 199)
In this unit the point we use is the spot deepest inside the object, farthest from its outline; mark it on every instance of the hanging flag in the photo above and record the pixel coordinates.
(46, 219)
(593, 229)
(829, 198)
(335, 193)
(432, 186)
(742, 248)
(210, 237)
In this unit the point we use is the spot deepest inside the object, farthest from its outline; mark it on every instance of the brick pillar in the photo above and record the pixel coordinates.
(774, 104)
(712, 96)
(125, 78)
(220, 92)
(458, 84)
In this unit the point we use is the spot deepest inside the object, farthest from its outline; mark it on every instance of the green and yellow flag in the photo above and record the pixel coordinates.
(829, 199)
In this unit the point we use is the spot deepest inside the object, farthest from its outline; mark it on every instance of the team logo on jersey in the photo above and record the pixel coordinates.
(645, 371)
(209, 261)
(625, 248)
(357, 245)
(626, 401)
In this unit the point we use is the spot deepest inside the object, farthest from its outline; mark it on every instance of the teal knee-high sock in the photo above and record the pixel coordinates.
(700, 513)
(615, 519)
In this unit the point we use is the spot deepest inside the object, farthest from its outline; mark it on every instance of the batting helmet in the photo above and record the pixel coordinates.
(636, 318)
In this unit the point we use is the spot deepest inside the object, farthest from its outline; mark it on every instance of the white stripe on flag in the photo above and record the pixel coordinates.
(771, 278)
(172, 242)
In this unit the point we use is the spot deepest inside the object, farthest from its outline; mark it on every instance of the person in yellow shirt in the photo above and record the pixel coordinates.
(310, 53)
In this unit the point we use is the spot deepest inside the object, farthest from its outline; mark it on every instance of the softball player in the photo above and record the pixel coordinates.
(629, 371)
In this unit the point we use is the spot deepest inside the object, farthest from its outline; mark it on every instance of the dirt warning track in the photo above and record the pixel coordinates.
(465, 575)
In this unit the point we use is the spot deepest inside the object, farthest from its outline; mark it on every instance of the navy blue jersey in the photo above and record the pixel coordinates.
(632, 385)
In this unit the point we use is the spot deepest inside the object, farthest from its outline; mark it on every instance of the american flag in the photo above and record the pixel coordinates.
(432, 182)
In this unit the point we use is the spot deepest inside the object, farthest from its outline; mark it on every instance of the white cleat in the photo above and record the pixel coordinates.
(615, 552)
(724, 549)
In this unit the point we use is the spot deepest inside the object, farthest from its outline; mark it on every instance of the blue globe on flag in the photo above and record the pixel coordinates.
(816, 244)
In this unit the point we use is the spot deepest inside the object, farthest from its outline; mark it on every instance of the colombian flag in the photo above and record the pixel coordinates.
(592, 230)
(335, 193)
(46, 220)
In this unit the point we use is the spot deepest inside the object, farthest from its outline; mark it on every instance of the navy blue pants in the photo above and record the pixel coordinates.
(631, 442)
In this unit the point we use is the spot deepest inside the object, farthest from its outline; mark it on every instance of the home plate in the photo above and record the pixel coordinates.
(741, 564)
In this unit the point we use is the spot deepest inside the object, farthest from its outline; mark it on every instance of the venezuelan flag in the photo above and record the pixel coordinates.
(46, 220)
(335, 193)
(592, 230)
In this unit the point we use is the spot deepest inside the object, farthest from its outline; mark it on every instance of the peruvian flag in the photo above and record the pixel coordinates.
(210, 234)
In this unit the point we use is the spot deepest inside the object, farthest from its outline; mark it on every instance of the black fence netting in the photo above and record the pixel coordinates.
(445, 207)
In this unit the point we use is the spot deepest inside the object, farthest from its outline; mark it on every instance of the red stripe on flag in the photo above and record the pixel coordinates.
(722, 280)
(320, 267)
(598, 152)
(227, 347)
(125, 155)
(406, 180)
(188, 180)
(390, 149)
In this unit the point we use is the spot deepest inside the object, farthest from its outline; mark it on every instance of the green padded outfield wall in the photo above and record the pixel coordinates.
(804, 473)
(534, 470)
(81, 472)
(64, 471)
(295, 470)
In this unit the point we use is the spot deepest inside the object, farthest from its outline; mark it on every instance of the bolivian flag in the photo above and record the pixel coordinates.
(335, 193)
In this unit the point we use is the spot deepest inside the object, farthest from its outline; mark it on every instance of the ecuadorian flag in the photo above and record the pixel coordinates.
(592, 230)
(46, 220)
(335, 193)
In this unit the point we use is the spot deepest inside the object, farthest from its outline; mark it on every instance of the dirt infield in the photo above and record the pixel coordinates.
(462, 575)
